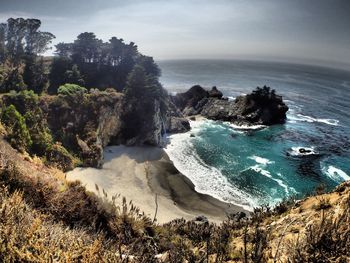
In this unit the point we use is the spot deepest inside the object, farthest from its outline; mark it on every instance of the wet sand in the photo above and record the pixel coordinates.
(146, 176)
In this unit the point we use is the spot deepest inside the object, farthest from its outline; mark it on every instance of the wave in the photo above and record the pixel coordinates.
(305, 118)
(246, 127)
(260, 160)
(335, 174)
(260, 170)
(206, 179)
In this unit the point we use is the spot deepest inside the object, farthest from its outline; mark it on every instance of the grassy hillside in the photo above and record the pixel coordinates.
(44, 218)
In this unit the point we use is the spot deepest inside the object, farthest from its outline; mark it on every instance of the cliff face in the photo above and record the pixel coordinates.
(86, 124)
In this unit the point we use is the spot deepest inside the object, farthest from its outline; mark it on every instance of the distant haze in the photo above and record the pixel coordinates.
(309, 31)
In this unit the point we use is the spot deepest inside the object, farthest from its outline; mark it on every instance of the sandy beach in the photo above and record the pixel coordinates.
(144, 174)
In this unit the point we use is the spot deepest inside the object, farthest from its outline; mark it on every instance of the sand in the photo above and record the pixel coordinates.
(145, 174)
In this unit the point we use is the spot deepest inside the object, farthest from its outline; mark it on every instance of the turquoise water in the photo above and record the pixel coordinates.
(264, 166)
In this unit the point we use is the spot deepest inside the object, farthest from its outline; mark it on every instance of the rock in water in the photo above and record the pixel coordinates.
(261, 107)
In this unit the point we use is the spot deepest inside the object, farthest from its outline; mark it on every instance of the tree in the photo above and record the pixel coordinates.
(64, 49)
(39, 132)
(16, 30)
(101, 64)
(21, 43)
(149, 65)
(86, 48)
(34, 75)
(18, 134)
(59, 66)
(136, 83)
(3, 27)
(13, 81)
(73, 76)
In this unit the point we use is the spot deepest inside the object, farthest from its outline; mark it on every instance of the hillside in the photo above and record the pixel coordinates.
(41, 210)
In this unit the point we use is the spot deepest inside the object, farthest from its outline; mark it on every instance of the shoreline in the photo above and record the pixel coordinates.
(146, 176)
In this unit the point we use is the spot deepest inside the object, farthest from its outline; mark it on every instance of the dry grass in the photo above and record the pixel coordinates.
(45, 219)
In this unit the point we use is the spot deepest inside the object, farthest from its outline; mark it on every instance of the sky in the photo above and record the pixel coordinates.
(309, 31)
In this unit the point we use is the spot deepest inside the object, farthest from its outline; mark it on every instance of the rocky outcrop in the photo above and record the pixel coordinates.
(215, 93)
(175, 122)
(85, 124)
(187, 101)
(261, 107)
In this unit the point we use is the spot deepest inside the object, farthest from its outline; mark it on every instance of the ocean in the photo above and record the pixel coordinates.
(259, 167)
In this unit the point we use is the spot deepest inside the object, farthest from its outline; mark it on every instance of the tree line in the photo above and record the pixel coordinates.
(88, 61)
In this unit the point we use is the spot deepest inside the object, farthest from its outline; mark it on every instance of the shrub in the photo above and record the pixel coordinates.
(24, 101)
(18, 133)
(39, 132)
(59, 156)
(71, 89)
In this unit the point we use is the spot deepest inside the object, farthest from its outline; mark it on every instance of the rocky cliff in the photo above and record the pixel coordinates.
(84, 124)
(261, 107)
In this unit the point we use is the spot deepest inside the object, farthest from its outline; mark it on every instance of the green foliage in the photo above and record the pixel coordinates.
(137, 81)
(18, 134)
(264, 93)
(20, 37)
(24, 101)
(34, 74)
(59, 67)
(57, 155)
(150, 67)
(73, 76)
(21, 43)
(39, 132)
(100, 64)
(27, 104)
(13, 80)
(142, 85)
(71, 89)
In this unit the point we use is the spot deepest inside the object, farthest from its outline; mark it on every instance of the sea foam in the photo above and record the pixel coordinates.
(206, 179)
(305, 118)
(335, 174)
(295, 151)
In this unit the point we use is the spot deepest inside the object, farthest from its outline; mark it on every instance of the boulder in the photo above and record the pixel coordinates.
(190, 98)
(178, 124)
(215, 93)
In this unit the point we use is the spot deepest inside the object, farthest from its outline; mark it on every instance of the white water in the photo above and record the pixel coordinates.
(207, 180)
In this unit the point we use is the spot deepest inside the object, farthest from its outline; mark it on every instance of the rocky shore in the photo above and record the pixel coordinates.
(261, 107)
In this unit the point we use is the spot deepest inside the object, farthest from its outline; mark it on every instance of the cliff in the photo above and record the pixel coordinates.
(84, 123)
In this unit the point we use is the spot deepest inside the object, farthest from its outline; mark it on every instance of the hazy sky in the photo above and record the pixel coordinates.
(306, 30)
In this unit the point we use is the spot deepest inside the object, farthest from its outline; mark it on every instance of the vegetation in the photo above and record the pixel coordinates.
(18, 134)
(264, 94)
(93, 63)
(52, 219)
(21, 43)
(45, 218)
(71, 89)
